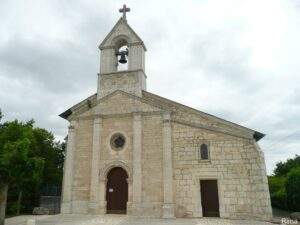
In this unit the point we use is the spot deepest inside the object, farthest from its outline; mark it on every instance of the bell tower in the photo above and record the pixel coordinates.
(122, 60)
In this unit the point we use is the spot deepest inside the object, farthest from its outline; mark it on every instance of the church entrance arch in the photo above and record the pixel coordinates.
(116, 191)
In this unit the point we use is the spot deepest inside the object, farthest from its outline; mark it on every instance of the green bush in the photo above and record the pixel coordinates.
(293, 189)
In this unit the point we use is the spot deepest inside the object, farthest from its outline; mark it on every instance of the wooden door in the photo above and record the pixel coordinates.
(209, 198)
(116, 191)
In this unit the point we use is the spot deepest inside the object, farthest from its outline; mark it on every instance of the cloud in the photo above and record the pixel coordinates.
(238, 60)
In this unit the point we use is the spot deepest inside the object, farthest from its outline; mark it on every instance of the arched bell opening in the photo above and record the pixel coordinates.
(122, 53)
(116, 191)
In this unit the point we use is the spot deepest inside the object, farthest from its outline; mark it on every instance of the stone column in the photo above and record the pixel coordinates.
(129, 202)
(168, 205)
(137, 161)
(102, 195)
(94, 188)
(66, 205)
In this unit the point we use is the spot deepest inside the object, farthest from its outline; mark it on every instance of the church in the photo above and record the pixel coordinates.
(133, 152)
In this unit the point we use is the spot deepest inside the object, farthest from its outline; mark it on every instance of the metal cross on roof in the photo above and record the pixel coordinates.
(124, 10)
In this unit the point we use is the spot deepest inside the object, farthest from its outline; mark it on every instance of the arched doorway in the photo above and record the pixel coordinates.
(116, 191)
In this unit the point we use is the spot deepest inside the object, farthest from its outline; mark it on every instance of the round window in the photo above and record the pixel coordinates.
(117, 141)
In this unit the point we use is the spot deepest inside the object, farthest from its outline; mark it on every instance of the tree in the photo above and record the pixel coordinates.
(18, 163)
(53, 152)
(283, 168)
(30, 159)
(277, 191)
(293, 189)
(20, 167)
(284, 185)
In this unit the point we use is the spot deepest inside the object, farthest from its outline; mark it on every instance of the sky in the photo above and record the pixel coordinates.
(238, 60)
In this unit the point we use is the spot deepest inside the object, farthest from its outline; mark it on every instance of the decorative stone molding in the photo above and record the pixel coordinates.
(166, 117)
(109, 140)
(115, 42)
(103, 182)
(117, 141)
(117, 163)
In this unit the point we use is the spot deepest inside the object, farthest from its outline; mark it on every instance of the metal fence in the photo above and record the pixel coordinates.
(51, 202)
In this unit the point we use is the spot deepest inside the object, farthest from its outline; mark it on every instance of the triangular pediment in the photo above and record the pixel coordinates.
(120, 29)
(120, 102)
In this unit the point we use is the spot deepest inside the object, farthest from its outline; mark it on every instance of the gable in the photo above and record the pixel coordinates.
(120, 102)
(121, 29)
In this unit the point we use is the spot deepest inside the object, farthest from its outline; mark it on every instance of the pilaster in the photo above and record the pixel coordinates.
(66, 205)
(168, 205)
(94, 188)
(129, 202)
(102, 193)
(137, 167)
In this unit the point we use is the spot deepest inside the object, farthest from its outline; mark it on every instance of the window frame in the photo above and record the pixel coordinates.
(112, 141)
(199, 152)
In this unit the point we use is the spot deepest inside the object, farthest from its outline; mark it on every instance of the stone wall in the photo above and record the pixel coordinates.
(116, 125)
(234, 162)
(152, 193)
(132, 82)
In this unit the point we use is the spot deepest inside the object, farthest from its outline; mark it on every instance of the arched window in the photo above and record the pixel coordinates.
(203, 152)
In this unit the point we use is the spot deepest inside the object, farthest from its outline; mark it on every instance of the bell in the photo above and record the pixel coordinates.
(123, 59)
(123, 54)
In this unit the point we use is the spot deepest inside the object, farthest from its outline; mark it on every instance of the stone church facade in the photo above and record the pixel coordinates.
(131, 151)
